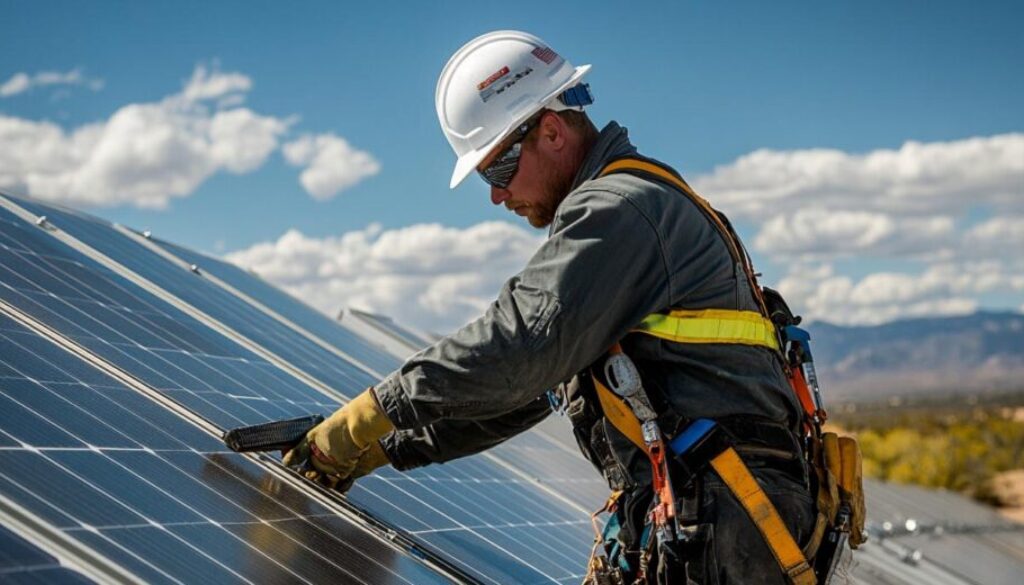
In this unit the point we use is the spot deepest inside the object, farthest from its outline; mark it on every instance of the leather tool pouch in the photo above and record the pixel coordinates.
(601, 443)
(843, 458)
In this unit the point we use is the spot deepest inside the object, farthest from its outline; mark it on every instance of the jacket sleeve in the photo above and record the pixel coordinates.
(599, 273)
(450, 439)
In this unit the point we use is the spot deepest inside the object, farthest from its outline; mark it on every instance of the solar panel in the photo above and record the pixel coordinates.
(549, 456)
(503, 526)
(146, 491)
(169, 350)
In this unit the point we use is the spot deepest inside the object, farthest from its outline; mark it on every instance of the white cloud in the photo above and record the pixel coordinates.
(998, 236)
(942, 289)
(207, 84)
(145, 154)
(18, 83)
(820, 233)
(22, 82)
(332, 165)
(930, 178)
(950, 211)
(430, 276)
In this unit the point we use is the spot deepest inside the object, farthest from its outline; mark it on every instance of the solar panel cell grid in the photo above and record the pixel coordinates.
(167, 349)
(230, 310)
(292, 309)
(163, 500)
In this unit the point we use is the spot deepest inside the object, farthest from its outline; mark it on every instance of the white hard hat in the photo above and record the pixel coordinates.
(493, 84)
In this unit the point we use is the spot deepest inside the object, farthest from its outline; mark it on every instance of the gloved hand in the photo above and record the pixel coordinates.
(332, 450)
(371, 459)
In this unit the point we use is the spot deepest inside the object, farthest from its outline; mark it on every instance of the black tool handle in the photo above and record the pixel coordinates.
(278, 435)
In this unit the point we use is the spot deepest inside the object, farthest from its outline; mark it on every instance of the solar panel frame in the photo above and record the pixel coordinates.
(28, 556)
(389, 327)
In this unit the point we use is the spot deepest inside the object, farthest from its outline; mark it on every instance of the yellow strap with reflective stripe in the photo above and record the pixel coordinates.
(711, 326)
(744, 486)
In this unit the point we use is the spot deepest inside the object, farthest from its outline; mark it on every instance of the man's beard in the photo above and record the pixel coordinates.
(542, 213)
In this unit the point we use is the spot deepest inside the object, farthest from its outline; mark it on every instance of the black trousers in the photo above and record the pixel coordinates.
(722, 544)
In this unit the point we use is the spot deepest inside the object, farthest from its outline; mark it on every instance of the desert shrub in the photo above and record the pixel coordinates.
(956, 449)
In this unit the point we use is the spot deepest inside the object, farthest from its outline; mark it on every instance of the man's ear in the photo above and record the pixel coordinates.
(552, 131)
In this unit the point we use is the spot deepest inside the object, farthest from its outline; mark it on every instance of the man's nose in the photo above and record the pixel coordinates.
(498, 195)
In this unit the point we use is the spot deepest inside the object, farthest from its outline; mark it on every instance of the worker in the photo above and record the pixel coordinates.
(625, 243)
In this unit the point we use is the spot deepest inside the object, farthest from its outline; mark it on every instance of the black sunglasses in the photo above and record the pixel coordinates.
(501, 171)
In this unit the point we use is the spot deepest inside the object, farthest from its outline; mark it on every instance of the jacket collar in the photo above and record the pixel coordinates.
(612, 143)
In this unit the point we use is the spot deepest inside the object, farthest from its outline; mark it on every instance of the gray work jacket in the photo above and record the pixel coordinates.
(620, 247)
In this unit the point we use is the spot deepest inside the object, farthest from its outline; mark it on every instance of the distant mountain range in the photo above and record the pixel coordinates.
(983, 352)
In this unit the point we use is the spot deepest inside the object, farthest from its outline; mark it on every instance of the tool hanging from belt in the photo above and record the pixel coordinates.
(622, 375)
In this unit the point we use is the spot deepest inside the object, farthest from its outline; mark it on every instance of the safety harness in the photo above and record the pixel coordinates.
(704, 443)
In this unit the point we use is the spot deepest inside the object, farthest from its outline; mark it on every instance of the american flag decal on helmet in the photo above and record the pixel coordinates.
(544, 54)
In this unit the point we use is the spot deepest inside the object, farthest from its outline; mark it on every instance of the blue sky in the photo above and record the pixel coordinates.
(699, 85)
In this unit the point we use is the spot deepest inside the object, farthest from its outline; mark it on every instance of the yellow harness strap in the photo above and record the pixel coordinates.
(744, 486)
(621, 416)
(711, 326)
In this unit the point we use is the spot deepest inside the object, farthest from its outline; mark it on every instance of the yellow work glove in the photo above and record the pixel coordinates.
(370, 460)
(332, 450)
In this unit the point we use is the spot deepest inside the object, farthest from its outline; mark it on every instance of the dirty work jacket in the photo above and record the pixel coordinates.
(620, 247)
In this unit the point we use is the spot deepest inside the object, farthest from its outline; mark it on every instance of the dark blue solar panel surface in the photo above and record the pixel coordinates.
(23, 562)
(154, 493)
(209, 298)
(295, 311)
(488, 521)
(475, 509)
(551, 457)
(170, 351)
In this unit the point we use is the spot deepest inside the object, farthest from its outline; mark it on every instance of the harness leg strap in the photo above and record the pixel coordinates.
(744, 486)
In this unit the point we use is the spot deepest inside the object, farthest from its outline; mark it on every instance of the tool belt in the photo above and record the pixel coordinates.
(760, 442)
(603, 421)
